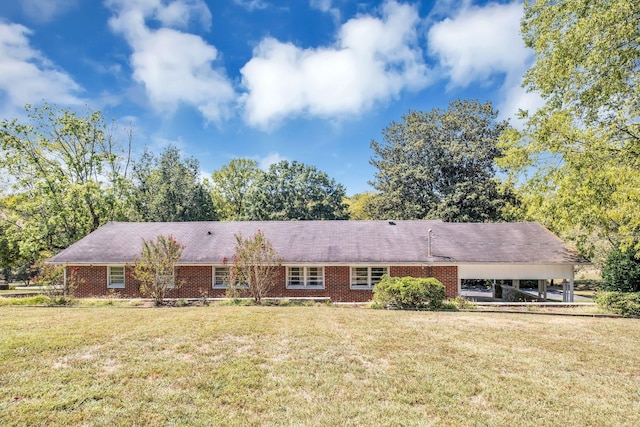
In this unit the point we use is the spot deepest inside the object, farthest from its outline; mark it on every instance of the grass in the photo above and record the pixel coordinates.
(26, 300)
(316, 366)
(586, 309)
(45, 300)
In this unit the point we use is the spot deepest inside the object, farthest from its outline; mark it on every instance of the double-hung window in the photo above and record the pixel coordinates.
(115, 277)
(166, 279)
(305, 277)
(367, 277)
(222, 278)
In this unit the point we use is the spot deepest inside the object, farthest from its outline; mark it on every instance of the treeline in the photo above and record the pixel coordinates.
(68, 174)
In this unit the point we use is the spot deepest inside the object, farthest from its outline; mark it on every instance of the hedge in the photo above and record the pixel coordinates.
(409, 292)
(624, 303)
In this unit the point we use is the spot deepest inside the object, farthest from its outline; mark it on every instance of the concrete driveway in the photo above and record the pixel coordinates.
(484, 294)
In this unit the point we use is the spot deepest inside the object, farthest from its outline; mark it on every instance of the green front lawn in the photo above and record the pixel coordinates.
(225, 365)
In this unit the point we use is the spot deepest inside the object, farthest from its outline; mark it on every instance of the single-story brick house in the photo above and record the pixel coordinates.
(341, 260)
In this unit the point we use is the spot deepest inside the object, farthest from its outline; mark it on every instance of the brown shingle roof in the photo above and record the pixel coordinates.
(323, 242)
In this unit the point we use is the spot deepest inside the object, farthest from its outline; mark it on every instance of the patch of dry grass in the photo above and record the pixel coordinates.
(314, 366)
(578, 309)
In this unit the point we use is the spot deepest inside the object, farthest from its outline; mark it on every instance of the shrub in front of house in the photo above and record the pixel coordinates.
(461, 303)
(409, 292)
(624, 303)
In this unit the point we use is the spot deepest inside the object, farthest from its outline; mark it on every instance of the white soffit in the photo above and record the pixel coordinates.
(515, 271)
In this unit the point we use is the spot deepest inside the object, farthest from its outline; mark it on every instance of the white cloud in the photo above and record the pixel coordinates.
(373, 60)
(270, 159)
(27, 76)
(323, 5)
(479, 44)
(326, 6)
(179, 13)
(46, 10)
(204, 176)
(514, 98)
(175, 67)
(443, 8)
(251, 5)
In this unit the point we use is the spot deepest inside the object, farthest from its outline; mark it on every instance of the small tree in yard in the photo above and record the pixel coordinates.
(255, 265)
(155, 269)
(55, 285)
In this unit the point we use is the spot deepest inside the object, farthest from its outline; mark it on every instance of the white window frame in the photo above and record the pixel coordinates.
(171, 283)
(118, 285)
(223, 285)
(306, 277)
(370, 281)
(216, 269)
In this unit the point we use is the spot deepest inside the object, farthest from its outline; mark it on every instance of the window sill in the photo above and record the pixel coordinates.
(116, 286)
(310, 288)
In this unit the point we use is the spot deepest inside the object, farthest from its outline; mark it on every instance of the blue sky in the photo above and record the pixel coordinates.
(307, 80)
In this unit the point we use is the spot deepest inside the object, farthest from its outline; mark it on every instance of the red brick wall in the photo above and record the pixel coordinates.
(337, 282)
(93, 282)
(448, 275)
(198, 281)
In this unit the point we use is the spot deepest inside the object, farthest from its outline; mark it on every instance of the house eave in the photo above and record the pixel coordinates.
(334, 264)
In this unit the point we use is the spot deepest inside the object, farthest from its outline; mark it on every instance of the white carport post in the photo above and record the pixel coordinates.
(567, 289)
(571, 288)
(542, 289)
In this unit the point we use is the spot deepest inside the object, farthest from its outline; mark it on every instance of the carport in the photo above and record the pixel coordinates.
(564, 273)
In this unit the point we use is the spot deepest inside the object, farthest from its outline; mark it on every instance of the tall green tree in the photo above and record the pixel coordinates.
(440, 164)
(358, 205)
(9, 252)
(584, 143)
(295, 191)
(67, 175)
(231, 186)
(169, 188)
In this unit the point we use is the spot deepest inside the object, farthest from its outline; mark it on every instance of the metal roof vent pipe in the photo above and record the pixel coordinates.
(429, 242)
